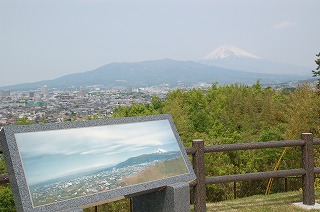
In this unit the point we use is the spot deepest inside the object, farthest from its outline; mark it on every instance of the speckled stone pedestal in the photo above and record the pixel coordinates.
(173, 198)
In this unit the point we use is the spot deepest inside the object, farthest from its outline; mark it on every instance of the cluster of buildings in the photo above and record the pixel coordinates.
(77, 185)
(46, 105)
(49, 105)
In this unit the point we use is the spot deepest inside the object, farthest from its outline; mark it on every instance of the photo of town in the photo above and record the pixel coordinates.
(70, 163)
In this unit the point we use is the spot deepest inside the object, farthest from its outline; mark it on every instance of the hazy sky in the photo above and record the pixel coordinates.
(52, 154)
(45, 39)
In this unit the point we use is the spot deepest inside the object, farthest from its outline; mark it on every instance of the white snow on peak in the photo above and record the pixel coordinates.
(160, 151)
(226, 51)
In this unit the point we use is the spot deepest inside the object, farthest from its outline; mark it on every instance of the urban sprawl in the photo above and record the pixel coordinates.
(50, 105)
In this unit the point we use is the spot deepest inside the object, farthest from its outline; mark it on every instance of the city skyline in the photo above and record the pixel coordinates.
(43, 40)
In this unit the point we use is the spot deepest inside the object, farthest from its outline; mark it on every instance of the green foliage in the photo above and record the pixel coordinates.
(231, 114)
(23, 121)
(6, 200)
(118, 206)
(135, 110)
(302, 112)
(43, 121)
(317, 71)
(271, 134)
(235, 114)
(157, 103)
(2, 166)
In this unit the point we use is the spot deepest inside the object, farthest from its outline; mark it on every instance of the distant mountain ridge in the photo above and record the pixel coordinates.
(156, 72)
(147, 158)
(231, 57)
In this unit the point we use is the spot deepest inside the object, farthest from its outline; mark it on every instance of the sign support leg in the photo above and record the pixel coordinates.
(173, 198)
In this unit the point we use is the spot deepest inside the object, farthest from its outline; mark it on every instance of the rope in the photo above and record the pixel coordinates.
(275, 169)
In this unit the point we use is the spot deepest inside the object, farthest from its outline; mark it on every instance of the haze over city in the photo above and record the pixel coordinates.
(42, 40)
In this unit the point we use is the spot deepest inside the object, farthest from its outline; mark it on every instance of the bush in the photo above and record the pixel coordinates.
(2, 166)
(6, 200)
(117, 206)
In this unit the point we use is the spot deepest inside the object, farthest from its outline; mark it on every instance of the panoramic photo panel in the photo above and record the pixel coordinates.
(70, 163)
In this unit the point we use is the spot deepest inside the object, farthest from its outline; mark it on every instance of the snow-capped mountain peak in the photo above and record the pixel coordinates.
(225, 52)
(160, 151)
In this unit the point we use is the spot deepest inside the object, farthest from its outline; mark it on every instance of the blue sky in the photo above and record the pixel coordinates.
(45, 39)
(51, 154)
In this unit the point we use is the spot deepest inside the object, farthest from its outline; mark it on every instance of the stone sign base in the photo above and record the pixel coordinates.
(173, 198)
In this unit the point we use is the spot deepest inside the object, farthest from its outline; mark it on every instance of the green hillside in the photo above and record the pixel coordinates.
(236, 114)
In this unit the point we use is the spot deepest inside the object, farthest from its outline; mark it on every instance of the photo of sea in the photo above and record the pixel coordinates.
(70, 163)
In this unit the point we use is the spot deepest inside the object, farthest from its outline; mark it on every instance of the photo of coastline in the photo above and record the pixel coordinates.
(70, 163)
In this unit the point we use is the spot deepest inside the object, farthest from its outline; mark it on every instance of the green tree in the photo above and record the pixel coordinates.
(240, 113)
(317, 71)
(23, 121)
(177, 106)
(134, 110)
(6, 200)
(2, 165)
(157, 103)
(43, 120)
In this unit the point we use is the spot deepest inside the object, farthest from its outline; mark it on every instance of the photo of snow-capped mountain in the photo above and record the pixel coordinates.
(64, 164)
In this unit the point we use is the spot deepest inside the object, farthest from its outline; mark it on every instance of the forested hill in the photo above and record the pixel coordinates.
(240, 113)
(156, 72)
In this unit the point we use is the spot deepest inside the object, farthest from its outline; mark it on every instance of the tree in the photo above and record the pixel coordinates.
(6, 203)
(157, 103)
(23, 121)
(317, 71)
(2, 166)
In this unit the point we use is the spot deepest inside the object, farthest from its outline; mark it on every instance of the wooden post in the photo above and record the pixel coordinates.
(235, 190)
(198, 166)
(308, 165)
(286, 184)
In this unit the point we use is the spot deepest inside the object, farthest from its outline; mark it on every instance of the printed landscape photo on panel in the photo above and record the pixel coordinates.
(69, 163)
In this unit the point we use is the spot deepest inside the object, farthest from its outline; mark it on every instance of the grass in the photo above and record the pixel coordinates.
(281, 202)
(161, 170)
(274, 202)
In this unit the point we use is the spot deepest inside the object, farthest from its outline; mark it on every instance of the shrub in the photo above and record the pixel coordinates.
(6, 203)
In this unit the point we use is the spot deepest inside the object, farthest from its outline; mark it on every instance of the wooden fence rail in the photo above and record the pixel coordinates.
(198, 150)
(307, 170)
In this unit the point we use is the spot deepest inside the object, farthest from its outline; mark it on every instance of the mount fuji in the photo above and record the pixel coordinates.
(159, 150)
(229, 52)
(231, 57)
